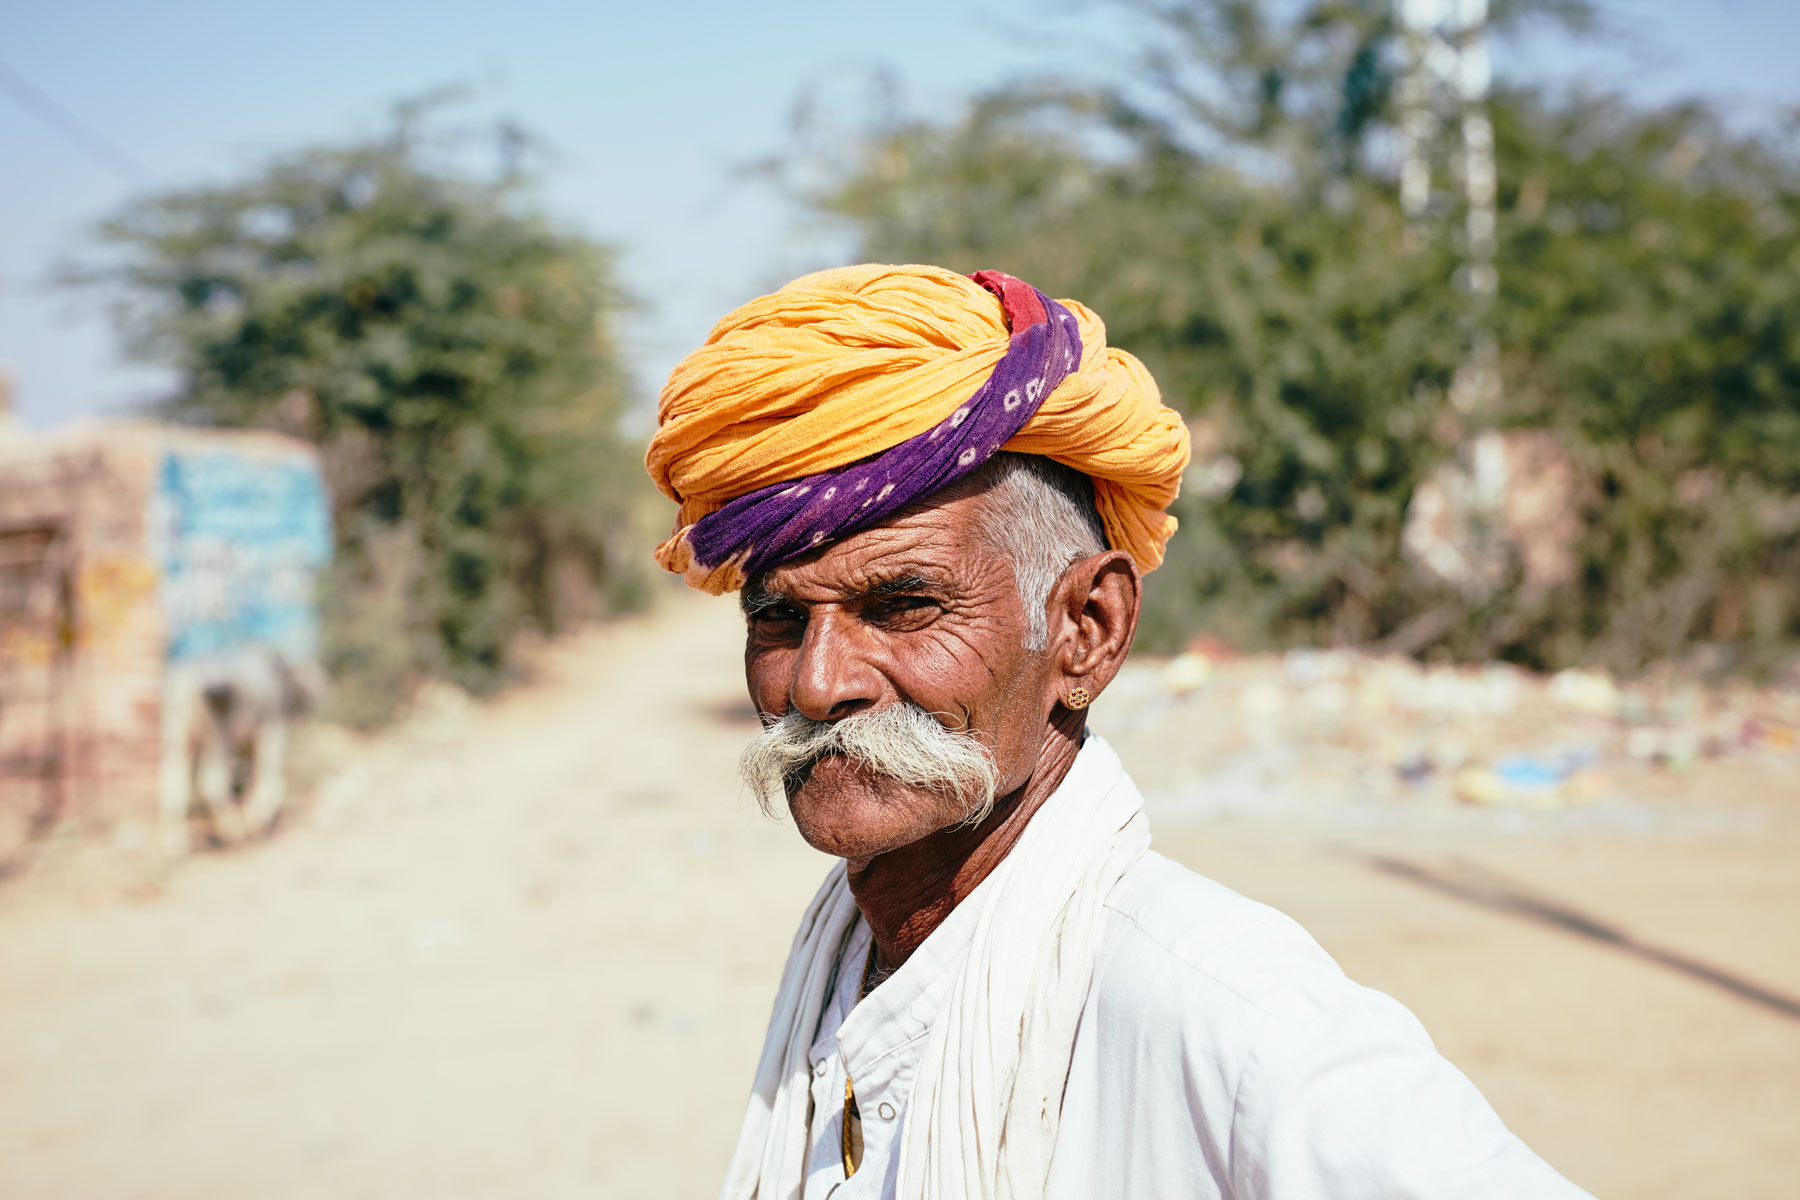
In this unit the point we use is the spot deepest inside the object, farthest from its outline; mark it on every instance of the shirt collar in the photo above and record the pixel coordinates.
(900, 1011)
(905, 1005)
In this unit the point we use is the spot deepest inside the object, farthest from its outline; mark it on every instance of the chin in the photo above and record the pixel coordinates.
(844, 810)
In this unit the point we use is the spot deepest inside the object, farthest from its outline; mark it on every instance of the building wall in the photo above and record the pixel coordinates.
(82, 660)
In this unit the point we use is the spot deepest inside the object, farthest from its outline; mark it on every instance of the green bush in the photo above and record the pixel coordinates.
(1234, 217)
(449, 352)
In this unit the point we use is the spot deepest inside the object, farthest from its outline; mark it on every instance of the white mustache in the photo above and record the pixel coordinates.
(903, 742)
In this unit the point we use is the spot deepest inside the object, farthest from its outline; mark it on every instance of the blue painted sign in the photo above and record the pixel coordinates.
(240, 540)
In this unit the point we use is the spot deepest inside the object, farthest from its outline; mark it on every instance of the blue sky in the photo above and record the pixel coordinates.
(648, 105)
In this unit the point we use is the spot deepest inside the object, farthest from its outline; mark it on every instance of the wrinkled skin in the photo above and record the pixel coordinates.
(920, 609)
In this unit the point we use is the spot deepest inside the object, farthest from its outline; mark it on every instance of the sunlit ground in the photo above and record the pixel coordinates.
(528, 949)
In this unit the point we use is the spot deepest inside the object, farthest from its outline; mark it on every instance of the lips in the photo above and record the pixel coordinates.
(844, 779)
(831, 760)
(799, 775)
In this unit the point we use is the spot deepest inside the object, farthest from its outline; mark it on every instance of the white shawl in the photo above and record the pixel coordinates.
(985, 1105)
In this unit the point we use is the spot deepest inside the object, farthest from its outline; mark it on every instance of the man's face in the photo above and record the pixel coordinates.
(916, 610)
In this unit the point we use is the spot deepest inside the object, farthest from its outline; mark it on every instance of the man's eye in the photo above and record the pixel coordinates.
(904, 606)
(780, 614)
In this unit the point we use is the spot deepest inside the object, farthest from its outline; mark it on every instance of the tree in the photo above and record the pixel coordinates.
(1231, 209)
(448, 350)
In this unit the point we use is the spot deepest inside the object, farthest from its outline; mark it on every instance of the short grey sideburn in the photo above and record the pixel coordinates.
(1040, 516)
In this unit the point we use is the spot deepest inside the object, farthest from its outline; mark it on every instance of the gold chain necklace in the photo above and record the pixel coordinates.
(852, 1116)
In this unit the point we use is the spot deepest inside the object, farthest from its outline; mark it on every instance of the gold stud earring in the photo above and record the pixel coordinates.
(1078, 698)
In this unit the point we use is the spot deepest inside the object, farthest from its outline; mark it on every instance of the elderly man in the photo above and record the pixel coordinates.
(938, 496)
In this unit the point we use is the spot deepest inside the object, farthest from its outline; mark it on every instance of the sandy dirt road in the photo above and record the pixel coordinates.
(528, 951)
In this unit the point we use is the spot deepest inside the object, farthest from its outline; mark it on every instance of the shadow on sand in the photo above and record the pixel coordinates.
(1475, 884)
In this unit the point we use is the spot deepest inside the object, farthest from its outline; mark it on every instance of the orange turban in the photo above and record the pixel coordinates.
(796, 399)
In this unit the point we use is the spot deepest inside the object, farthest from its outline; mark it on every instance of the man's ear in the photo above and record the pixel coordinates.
(1093, 618)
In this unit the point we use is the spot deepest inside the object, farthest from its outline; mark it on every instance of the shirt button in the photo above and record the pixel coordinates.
(820, 1067)
(886, 1110)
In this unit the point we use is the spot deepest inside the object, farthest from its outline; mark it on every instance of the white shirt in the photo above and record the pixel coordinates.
(1221, 1053)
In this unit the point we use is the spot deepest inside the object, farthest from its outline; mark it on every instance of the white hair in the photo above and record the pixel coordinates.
(1040, 516)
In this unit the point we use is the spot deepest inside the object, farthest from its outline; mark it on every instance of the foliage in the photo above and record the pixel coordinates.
(1233, 214)
(449, 352)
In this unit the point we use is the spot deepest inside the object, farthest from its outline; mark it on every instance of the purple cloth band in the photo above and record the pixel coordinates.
(785, 520)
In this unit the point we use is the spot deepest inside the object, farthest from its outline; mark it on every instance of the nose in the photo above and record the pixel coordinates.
(833, 678)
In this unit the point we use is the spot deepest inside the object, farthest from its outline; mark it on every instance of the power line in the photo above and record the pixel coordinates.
(70, 128)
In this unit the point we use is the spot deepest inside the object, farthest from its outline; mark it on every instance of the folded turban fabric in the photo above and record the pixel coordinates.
(828, 406)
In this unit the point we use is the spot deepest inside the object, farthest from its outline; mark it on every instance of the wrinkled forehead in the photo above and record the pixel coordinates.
(933, 547)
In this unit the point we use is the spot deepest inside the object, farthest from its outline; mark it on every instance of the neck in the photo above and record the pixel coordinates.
(906, 893)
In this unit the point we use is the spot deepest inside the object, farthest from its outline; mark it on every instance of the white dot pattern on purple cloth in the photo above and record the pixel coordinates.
(783, 522)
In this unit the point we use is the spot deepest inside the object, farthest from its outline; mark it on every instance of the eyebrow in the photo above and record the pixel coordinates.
(910, 581)
(754, 598)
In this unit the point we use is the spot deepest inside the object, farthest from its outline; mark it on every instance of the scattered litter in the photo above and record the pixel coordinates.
(1262, 732)
(1187, 672)
(1585, 691)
